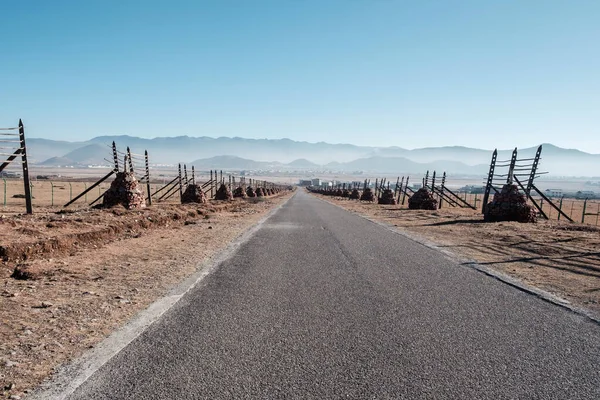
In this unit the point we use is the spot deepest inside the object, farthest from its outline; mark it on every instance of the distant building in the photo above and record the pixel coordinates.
(316, 182)
(471, 189)
(585, 194)
(305, 182)
(554, 192)
(9, 174)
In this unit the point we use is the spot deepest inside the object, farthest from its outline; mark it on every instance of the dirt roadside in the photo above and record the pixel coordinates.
(93, 270)
(558, 257)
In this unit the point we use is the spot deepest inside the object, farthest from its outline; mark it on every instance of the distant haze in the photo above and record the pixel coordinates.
(285, 154)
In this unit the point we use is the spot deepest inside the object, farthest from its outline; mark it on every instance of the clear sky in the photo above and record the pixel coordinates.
(481, 73)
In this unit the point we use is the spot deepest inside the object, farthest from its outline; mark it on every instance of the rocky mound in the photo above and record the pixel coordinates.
(367, 195)
(509, 205)
(422, 200)
(224, 193)
(125, 191)
(387, 197)
(239, 192)
(193, 194)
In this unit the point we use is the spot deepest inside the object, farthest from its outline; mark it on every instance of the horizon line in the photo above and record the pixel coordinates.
(315, 143)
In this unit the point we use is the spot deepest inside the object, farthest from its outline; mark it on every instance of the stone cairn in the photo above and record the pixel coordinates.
(387, 197)
(355, 195)
(250, 191)
(422, 200)
(239, 192)
(224, 193)
(367, 195)
(259, 192)
(509, 205)
(193, 194)
(125, 191)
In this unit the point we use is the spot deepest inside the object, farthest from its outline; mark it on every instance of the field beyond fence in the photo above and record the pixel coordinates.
(574, 208)
(55, 194)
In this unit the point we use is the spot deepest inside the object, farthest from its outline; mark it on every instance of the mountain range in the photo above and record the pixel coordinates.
(269, 154)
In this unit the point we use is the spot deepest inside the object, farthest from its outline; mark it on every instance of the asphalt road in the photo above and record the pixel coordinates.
(321, 304)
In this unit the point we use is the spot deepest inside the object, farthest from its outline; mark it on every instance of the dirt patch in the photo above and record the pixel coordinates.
(557, 256)
(73, 294)
(48, 235)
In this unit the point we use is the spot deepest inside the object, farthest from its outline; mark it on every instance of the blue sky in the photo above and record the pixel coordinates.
(381, 72)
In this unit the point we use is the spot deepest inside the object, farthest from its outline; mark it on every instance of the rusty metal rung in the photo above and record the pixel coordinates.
(526, 159)
(13, 161)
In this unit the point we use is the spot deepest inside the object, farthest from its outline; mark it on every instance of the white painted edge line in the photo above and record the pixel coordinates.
(72, 375)
(470, 263)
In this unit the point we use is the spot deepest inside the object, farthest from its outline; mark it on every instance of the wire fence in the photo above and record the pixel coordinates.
(579, 210)
(54, 193)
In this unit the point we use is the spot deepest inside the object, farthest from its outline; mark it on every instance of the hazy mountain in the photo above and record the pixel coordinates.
(404, 165)
(264, 154)
(57, 162)
(171, 150)
(93, 154)
(40, 150)
(302, 163)
(230, 162)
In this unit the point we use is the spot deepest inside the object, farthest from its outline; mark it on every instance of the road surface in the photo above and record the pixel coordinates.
(320, 303)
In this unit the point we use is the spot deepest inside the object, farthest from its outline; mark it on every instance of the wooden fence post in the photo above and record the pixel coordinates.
(148, 178)
(28, 202)
(442, 189)
(560, 207)
(489, 182)
(180, 184)
(130, 159)
(405, 189)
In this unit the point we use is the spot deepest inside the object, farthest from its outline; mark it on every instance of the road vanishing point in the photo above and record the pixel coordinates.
(320, 303)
